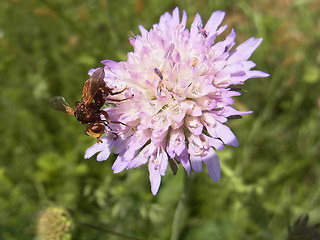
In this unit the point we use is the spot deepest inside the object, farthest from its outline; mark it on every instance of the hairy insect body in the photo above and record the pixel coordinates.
(88, 110)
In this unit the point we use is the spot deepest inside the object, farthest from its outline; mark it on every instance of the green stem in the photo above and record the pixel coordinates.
(103, 229)
(181, 212)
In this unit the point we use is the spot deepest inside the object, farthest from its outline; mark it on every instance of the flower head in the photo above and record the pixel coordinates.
(54, 223)
(180, 80)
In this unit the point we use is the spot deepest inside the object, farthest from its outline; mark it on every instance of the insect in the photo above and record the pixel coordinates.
(202, 31)
(88, 110)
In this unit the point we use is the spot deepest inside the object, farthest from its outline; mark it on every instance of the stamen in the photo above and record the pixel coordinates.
(169, 51)
(199, 150)
(159, 90)
(158, 72)
(160, 85)
(199, 153)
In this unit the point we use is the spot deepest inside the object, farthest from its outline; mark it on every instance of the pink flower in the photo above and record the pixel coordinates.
(181, 82)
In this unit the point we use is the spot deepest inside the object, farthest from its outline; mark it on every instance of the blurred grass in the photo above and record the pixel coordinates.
(46, 49)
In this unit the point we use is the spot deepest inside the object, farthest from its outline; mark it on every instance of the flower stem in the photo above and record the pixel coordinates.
(103, 229)
(181, 212)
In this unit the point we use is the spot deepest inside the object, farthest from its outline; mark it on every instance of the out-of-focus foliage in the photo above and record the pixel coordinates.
(301, 230)
(46, 49)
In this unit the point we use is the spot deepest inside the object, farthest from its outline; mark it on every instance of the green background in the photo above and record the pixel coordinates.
(46, 49)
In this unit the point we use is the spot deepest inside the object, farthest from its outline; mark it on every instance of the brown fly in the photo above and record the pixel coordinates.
(88, 110)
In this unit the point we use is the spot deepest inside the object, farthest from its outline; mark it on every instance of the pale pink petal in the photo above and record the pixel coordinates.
(176, 143)
(213, 165)
(184, 159)
(196, 162)
(119, 165)
(244, 51)
(93, 150)
(175, 17)
(184, 19)
(194, 125)
(226, 135)
(214, 21)
(194, 31)
(155, 179)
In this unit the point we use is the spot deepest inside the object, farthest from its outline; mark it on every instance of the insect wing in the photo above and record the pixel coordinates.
(98, 73)
(90, 88)
(60, 104)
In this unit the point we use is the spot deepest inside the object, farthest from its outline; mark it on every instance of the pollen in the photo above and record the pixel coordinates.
(195, 60)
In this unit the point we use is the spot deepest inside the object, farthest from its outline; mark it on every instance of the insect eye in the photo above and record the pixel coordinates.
(79, 114)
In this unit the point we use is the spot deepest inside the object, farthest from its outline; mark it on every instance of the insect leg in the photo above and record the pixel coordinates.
(105, 114)
(118, 100)
(113, 132)
(109, 90)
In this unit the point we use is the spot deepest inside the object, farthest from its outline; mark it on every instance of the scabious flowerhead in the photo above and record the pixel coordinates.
(180, 80)
(54, 223)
